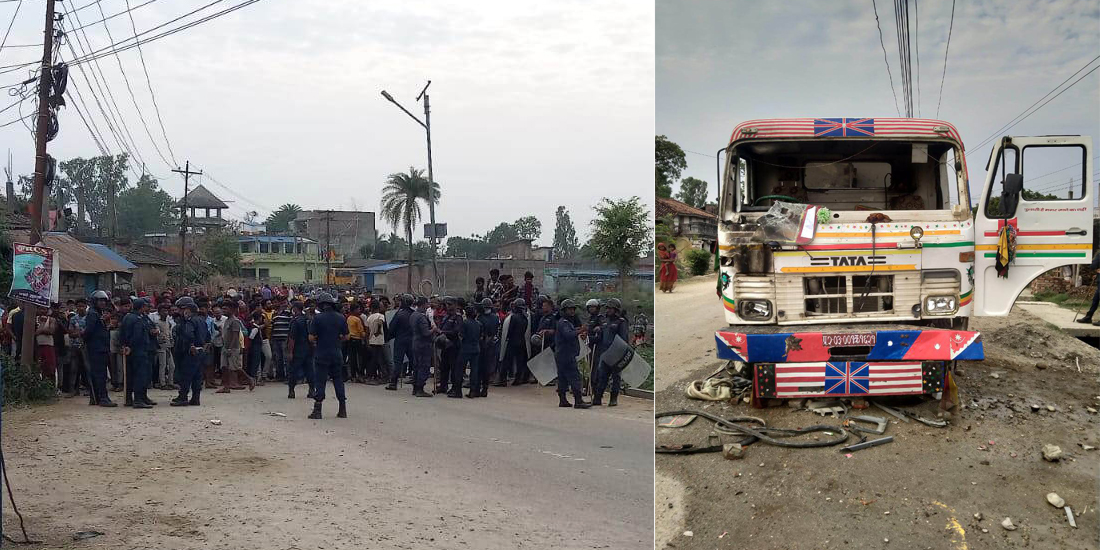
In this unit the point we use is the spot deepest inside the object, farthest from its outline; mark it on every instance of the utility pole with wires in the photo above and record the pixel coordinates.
(41, 137)
(328, 244)
(187, 173)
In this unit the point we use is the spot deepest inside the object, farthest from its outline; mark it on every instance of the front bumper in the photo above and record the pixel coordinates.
(850, 343)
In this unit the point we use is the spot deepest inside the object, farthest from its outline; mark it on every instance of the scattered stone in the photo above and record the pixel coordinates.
(1069, 516)
(1090, 410)
(733, 451)
(1050, 408)
(689, 534)
(1035, 407)
(1087, 447)
(978, 516)
(216, 422)
(995, 376)
(984, 530)
(1055, 500)
(1052, 453)
(1007, 524)
(1041, 366)
(84, 535)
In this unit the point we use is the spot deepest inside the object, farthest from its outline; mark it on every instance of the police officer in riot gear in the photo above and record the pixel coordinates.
(566, 349)
(328, 330)
(421, 347)
(490, 348)
(135, 335)
(595, 319)
(300, 350)
(402, 332)
(450, 375)
(614, 325)
(97, 343)
(188, 339)
(516, 347)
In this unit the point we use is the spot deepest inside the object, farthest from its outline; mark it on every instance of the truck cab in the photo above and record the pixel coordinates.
(850, 257)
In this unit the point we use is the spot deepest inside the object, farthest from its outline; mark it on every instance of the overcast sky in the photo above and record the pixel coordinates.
(720, 63)
(534, 104)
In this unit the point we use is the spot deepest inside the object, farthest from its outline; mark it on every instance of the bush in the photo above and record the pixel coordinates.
(697, 261)
(24, 385)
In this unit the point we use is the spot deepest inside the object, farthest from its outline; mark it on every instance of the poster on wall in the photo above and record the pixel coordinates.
(34, 274)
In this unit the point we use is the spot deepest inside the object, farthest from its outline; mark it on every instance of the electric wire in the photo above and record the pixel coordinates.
(149, 83)
(106, 17)
(885, 58)
(133, 98)
(916, 42)
(950, 27)
(10, 24)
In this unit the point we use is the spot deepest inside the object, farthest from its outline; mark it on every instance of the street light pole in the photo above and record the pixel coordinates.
(427, 125)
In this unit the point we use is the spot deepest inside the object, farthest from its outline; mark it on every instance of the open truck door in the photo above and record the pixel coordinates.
(1042, 187)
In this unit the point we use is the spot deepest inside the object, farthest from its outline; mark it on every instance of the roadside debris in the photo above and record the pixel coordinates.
(733, 451)
(855, 423)
(1007, 524)
(85, 535)
(752, 430)
(215, 422)
(278, 414)
(1052, 453)
(676, 421)
(867, 444)
(1055, 500)
(1069, 516)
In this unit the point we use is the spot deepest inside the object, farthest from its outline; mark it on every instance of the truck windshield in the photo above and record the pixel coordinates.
(844, 174)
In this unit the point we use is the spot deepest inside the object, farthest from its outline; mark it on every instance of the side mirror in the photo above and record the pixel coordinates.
(1012, 186)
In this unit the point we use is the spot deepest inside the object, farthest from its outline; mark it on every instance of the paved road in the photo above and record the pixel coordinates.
(686, 321)
(1063, 318)
(510, 471)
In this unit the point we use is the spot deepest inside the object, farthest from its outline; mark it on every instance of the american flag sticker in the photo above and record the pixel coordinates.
(845, 378)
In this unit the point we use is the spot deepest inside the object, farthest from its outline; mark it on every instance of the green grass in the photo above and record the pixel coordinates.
(1062, 299)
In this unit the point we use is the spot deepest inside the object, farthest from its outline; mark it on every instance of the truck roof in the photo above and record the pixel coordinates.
(845, 128)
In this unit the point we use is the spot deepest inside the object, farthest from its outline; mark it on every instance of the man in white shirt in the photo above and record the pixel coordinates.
(376, 345)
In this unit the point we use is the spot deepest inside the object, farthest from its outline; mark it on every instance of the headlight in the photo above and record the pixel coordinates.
(941, 305)
(758, 310)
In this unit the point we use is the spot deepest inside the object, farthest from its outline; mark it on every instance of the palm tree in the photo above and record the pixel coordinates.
(401, 198)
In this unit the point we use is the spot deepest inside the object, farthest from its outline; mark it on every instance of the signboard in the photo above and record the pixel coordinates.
(439, 233)
(34, 274)
(848, 339)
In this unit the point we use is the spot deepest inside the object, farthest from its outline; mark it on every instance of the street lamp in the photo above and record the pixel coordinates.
(427, 125)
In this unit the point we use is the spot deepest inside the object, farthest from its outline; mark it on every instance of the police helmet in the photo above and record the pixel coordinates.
(615, 303)
(186, 302)
(325, 298)
(449, 300)
(519, 303)
(592, 303)
(568, 303)
(137, 303)
(536, 340)
(100, 295)
(486, 303)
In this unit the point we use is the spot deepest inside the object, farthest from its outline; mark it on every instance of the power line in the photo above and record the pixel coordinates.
(885, 58)
(130, 90)
(98, 144)
(108, 17)
(12, 22)
(950, 27)
(149, 82)
(1025, 113)
(235, 194)
(916, 40)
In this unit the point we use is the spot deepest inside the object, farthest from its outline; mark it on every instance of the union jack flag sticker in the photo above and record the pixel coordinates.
(847, 378)
(844, 127)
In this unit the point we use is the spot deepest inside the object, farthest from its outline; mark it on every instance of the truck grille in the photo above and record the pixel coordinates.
(853, 295)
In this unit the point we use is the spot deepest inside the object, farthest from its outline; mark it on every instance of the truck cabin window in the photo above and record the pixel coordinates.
(847, 175)
(1050, 172)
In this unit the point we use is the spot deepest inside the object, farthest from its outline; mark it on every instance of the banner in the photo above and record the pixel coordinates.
(34, 274)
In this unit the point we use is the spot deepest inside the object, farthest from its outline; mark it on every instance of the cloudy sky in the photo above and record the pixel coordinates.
(534, 104)
(720, 63)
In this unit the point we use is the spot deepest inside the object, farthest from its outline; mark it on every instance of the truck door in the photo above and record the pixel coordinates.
(1041, 186)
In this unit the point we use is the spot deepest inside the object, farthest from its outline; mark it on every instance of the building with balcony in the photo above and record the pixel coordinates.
(204, 210)
(690, 226)
(283, 259)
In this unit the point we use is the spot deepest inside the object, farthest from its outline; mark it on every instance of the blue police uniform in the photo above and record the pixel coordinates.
(470, 355)
(97, 342)
(327, 328)
(188, 335)
(134, 334)
(490, 349)
(421, 349)
(515, 350)
(566, 349)
(449, 371)
(402, 333)
(301, 365)
(612, 327)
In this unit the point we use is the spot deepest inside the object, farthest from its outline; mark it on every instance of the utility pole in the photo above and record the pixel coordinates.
(427, 125)
(41, 136)
(187, 173)
(328, 244)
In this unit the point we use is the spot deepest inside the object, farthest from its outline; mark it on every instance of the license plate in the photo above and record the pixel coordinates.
(850, 339)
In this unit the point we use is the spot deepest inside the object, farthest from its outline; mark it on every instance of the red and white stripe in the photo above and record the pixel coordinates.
(808, 379)
(804, 127)
(895, 378)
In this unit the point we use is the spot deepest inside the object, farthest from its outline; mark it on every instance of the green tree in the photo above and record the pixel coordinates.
(693, 192)
(528, 227)
(279, 220)
(366, 251)
(221, 250)
(401, 198)
(144, 208)
(502, 233)
(469, 247)
(565, 235)
(621, 233)
(670, 161)
(93, 183)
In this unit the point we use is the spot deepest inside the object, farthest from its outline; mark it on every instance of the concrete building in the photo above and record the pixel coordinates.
(281, 259)
(347, 230)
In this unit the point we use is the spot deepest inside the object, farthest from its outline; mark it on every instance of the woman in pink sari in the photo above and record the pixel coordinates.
(666, 254)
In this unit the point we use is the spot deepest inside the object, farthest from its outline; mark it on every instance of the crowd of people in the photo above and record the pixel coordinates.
(236, 339)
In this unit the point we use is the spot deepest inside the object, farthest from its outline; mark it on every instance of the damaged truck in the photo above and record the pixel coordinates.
(851, 260)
